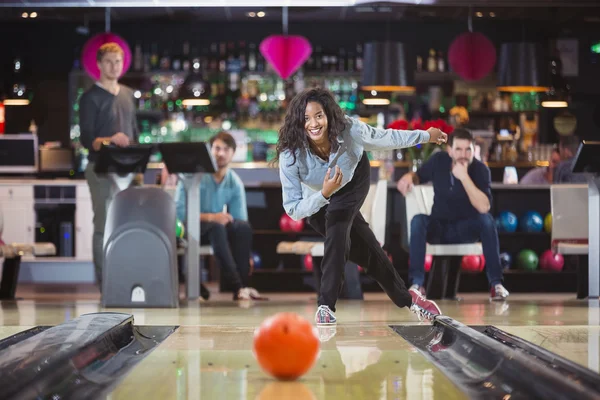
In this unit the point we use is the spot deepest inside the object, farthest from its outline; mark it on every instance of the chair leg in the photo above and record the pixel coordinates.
(582, 277)
(436, 282)
(453, 278)
(10, 278)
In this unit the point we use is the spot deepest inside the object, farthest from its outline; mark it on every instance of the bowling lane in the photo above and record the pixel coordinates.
(359, 362)
(580, 344)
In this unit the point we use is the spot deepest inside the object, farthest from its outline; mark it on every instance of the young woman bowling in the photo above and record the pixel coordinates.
(322, 148)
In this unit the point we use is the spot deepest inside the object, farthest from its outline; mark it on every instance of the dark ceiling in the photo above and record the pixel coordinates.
(363, 13)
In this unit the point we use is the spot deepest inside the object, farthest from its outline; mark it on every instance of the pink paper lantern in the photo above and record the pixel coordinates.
(286, 53)
(472, 56)
(88, 55)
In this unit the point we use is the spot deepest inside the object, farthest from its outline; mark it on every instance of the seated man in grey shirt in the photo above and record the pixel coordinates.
(107, 116)
(542, 175)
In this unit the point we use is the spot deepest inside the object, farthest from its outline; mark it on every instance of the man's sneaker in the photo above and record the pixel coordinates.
(204, 293)
(242, 294)
(425, 309)
(419, 289)
(498, 293)
(254, 295)
(325, 316)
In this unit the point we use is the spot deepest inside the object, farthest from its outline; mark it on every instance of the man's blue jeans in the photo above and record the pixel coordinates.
(425, 229)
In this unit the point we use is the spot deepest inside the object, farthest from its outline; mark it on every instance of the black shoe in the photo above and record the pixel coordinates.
(204, 293)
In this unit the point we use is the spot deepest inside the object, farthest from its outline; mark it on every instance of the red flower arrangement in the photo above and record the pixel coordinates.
(421, 151)
(419, 124)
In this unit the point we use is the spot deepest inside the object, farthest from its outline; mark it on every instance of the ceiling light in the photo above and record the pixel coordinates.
(252, 14)
(386, 68)
(260, 14)
(33, 15)
(492, 14)
(24, 15)
(479, 14)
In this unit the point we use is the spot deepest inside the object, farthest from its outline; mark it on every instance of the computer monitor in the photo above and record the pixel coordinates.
(187, 157)
(123, 160)
(19, 153)
(587, 158)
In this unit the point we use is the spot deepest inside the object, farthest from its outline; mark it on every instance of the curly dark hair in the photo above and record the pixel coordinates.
(292, 135)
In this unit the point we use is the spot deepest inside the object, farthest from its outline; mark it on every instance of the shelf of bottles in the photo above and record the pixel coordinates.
(245, 92)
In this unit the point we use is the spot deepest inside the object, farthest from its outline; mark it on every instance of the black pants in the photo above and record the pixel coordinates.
(232, 244)
(349, 237)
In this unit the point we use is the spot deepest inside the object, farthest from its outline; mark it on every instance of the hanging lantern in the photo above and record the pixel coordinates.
(386, 68)
(285, 53)
(88, 55)
(521, 68)
(472, 56)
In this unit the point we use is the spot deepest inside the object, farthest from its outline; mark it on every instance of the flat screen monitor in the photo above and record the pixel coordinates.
(587, 158)
(19, 153)
(187, 157)
(123, 160)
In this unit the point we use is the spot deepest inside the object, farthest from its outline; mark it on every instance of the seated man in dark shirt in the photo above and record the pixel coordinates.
(460, 213)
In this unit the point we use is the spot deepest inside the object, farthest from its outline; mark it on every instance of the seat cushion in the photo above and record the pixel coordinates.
(454, 249)
(572, 248)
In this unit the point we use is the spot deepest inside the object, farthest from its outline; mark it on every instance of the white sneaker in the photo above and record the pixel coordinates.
(498, 293)
(243, 294)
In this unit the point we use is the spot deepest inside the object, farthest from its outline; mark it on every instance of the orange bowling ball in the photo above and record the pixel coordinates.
(286, 345)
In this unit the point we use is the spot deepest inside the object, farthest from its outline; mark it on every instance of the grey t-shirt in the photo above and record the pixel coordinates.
(102, 114)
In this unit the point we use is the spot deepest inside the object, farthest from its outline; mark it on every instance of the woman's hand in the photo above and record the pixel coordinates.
(330, 185)
(436, 136)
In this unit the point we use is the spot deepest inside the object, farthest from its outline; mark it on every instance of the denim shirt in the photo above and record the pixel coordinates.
(310, 169)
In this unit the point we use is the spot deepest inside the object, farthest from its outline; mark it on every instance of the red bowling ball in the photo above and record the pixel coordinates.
(551, 262)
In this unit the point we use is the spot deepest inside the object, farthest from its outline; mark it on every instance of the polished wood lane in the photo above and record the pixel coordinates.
(210, 356)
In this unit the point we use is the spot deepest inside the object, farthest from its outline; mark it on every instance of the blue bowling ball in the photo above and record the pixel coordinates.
(256, 260)
(531, 221)
(505, 260)
(506, 222)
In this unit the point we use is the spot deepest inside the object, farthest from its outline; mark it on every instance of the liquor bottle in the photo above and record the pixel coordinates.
(431, 62)
(318, 59)
(222, 57)
(154, 57)
(359, 57)
(441, 64)
(252, 57)
(341, 67)
(242, 56)
(351, 61)
(176, 63)
(165, 61)
(186, 61)
(137, 58)
(214, 57)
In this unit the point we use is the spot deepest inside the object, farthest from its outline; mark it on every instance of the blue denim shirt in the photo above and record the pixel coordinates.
(213, 196)
(310, 169)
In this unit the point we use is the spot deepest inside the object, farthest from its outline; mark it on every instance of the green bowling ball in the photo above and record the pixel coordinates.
(527, 260)
(179, 229)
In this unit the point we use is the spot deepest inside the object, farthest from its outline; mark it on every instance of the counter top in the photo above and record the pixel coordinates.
(374, 163)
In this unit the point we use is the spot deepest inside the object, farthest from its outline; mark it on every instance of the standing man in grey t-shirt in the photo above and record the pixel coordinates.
(107, 116)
